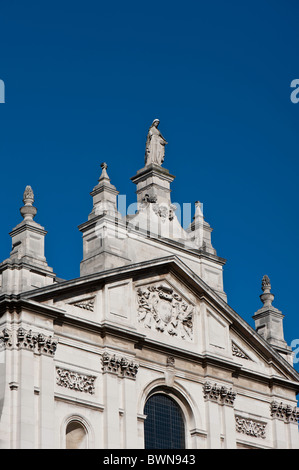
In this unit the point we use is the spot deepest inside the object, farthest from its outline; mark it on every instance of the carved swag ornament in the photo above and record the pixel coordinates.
(162, 309)
(75, 381)
(250, 427)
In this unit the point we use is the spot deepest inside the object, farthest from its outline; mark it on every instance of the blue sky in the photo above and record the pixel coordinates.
(83, 82)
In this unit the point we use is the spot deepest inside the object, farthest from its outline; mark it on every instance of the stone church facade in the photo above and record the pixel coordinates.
(144, 334)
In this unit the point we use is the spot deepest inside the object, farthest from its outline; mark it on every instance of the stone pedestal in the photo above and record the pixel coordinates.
(269, 322)
(26, 268)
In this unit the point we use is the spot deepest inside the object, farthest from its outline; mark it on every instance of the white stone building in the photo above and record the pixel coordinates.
(142, 350)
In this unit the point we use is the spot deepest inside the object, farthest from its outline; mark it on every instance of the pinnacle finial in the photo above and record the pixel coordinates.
(28, 196)
(266, 284)
(267, 297)
(104, 174)
(198, 208)
(28, 212)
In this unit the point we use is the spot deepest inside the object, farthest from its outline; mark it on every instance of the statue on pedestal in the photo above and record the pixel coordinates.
(155, 145)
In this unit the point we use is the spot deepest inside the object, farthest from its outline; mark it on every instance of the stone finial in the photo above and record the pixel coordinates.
(28, 196)
(28, 212)
(269, 322)
(104, 175)
(198, 209)
(266, 285)
(267, 298)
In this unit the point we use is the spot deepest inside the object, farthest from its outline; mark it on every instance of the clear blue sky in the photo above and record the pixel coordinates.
(83, 82)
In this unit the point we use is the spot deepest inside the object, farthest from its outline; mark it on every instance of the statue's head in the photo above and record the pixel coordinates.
(155, 122)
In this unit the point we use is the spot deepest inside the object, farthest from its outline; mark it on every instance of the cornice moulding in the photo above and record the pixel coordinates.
(182, 271)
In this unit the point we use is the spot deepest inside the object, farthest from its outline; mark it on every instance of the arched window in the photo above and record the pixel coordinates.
(76, 436)
(164, 426)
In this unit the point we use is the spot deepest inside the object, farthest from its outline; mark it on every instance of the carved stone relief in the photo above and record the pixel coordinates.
(170, 361)
(283, 412)
(26, 339)
(36, 342)
(6, 338)
(161, 308)
(164, 212)
(236, 351)
(219, 393)
(119, 365)
(250, 427)
(85, 304)
(149, 199)
(75, 381)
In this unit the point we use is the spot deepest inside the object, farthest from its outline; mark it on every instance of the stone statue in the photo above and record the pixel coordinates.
(155, 145)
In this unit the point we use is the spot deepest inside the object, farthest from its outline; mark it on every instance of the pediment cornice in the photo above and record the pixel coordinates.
(174, 265)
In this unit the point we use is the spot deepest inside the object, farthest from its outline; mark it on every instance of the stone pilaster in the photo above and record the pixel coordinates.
(119, 376)
(28, 406)
(46, 408)
(130, 412)
(229, 430)
(26, 421)
(220, 415)
(285, 425)
(214, 427)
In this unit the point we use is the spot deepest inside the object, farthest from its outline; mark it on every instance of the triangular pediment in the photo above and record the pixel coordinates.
(183, 312)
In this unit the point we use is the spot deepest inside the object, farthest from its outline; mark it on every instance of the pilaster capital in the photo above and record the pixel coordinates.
(36, 342)
(286, 413)
(219, 393)
(120, 366)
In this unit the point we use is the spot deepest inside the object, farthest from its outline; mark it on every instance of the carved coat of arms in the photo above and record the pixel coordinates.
(161, 308)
